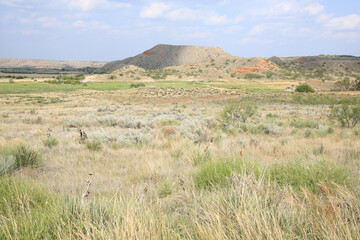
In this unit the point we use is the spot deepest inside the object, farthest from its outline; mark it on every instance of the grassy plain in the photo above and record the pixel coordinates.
(155, 163)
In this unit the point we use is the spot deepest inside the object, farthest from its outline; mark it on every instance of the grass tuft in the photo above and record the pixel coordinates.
(50, 141)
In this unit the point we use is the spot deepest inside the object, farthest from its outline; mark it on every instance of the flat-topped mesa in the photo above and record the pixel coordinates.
(163, 55)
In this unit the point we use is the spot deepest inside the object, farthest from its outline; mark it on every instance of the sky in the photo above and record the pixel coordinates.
(106, 30)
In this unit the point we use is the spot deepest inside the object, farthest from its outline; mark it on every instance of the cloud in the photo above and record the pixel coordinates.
(176, 13)
(288, 8)
(342, 23)
(44, 21)
(248, 40)
(17, 3)
(87, 5)
(182, 14)
(155, 10)
(314, 9)
(91, 25)
(215, 19)
(258, 29)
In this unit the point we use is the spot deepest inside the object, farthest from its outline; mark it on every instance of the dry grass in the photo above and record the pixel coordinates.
(143, 175)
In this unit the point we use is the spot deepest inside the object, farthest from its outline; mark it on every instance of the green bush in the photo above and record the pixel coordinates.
(17, 157)
(11, 81)
(93, 145)
(136, 85)
(50, 141)
(347, 115)
(236, 112)
(253, 76)
(304, 88)
(25, 156)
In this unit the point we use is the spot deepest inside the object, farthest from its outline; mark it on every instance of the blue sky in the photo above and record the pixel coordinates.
(116, 29)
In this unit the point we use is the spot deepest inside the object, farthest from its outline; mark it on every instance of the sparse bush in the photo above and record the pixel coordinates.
(253, 76)
(264, 129)
(344, 84)
(198, 157)
(236, 112)
(16, 157)
(137, 85)
(304, 123)
(93, 145)
(165, 188)
(308, 133)
(50, 141)
(347, 115)
(304, 88)
(11, 80)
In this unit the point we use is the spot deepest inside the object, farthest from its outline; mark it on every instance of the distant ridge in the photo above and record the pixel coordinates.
(325, 62)
(164, 55)
(37, 63)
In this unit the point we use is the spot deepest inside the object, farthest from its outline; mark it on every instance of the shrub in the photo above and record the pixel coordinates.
(304, 123)
(344, 84)
(17, 157)
(7, 164)
(11, 80)
(165, 188)
(304, 88)
(136, 85)
(93, 145)
(25, 156)
(50, 141)
(198, 157)
(236, 112)
(253, 76)
(347, 115)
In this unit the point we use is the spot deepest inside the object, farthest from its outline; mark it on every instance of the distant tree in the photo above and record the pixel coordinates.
(304, 88)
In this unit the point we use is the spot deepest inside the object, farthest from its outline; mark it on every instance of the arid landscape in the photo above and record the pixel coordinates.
(180, 142)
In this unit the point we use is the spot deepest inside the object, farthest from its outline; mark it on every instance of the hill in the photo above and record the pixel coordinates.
(321, 62)
(163, 55)
(37, 63)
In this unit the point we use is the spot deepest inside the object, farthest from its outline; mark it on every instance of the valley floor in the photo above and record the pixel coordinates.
(158, 163)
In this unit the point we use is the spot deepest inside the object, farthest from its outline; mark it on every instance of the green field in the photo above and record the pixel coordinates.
(36, 87)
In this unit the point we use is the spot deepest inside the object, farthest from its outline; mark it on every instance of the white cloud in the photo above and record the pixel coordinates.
(155, 10)
(288, 8)
(314, 9)
(256, 30)
(348, 36)
(87, 5)
(17, 3)
(347, 22)
(91, 25)
(44, 21)
(215, 19)
(182, 14)
(176, 13)
(254, 40)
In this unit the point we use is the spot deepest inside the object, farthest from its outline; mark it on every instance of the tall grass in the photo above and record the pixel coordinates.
(299, 174)
(13, 158)
(249, 208)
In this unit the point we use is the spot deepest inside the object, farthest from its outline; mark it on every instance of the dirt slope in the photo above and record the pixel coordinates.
(163, 55)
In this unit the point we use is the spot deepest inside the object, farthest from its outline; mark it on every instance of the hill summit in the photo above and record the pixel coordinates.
(164, 55)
